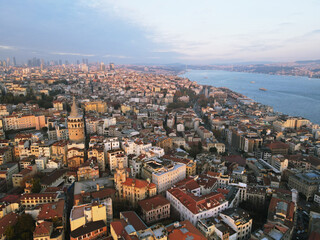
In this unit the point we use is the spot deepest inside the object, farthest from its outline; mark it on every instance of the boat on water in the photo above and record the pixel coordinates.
(205, 77)
(262, 89)
(252, 82)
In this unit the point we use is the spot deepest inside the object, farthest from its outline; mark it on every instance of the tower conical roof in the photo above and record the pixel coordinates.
(74, 109)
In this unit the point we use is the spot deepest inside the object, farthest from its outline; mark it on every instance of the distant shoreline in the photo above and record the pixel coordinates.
(278, 112)
(229, 70)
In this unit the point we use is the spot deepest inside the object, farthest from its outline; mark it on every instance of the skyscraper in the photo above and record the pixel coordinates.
(111, 66)
(102, 66)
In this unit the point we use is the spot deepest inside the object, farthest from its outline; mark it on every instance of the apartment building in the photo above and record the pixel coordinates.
(97, 151)
(132, 189)
(155, 209)
(115, 157)
(193, 208)
(306, 183)
(30, 200)
(239, 220)
(279, 162)
(15, 122)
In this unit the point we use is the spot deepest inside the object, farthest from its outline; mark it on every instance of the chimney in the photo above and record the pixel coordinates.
(98, 187)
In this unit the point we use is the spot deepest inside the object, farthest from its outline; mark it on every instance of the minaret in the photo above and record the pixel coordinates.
(76, 124)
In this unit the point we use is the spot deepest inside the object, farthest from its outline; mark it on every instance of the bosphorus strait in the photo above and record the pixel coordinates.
(296, 96)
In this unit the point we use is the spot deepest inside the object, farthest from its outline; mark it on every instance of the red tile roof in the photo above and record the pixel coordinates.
(8, 220)
(189, 232)
(138, 183)
(154, 202)
(235, 159)
(213, 174)
(11, 198)
(51, 210)
(133, 219)
(188, 183)
(290, 210)
(223, 191)
(43, 229)
(106, 192)
(118, 227)
(278, 145)
(194, 203)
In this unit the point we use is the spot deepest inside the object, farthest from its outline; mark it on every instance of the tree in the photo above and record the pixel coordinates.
(213, 150)
(9, 232)
(68, 107)
(225, 153)
(216, 133)
(36, 185)
(24, 227)
(195, 150)
(56, 222)
(117, 106)
(202, 101)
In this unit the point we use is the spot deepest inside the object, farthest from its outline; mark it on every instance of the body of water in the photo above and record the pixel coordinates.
(296, 96)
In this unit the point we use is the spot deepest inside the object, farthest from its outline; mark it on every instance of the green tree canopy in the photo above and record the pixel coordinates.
(213, 150)
(36, 185)
(23, 230)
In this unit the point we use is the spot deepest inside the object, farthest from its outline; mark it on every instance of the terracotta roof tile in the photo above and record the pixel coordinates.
(8, 220)
(154, 202)
(43, 229)
(196, 204)
(134, 220)
(51, 210)
(138, 183)
(190, 232)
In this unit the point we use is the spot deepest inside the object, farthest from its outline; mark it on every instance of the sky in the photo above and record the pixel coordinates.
(161, 31)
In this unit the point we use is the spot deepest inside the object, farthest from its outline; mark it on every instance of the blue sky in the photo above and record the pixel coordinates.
(161, 31)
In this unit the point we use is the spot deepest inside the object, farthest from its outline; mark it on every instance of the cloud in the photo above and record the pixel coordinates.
(116, 56)
(214, 29)
(285, 24)
(6, 47)
(162, 29)
(72, 54)
(313, 32)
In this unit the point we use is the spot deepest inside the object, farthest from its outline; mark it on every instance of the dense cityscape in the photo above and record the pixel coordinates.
(102, 151)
